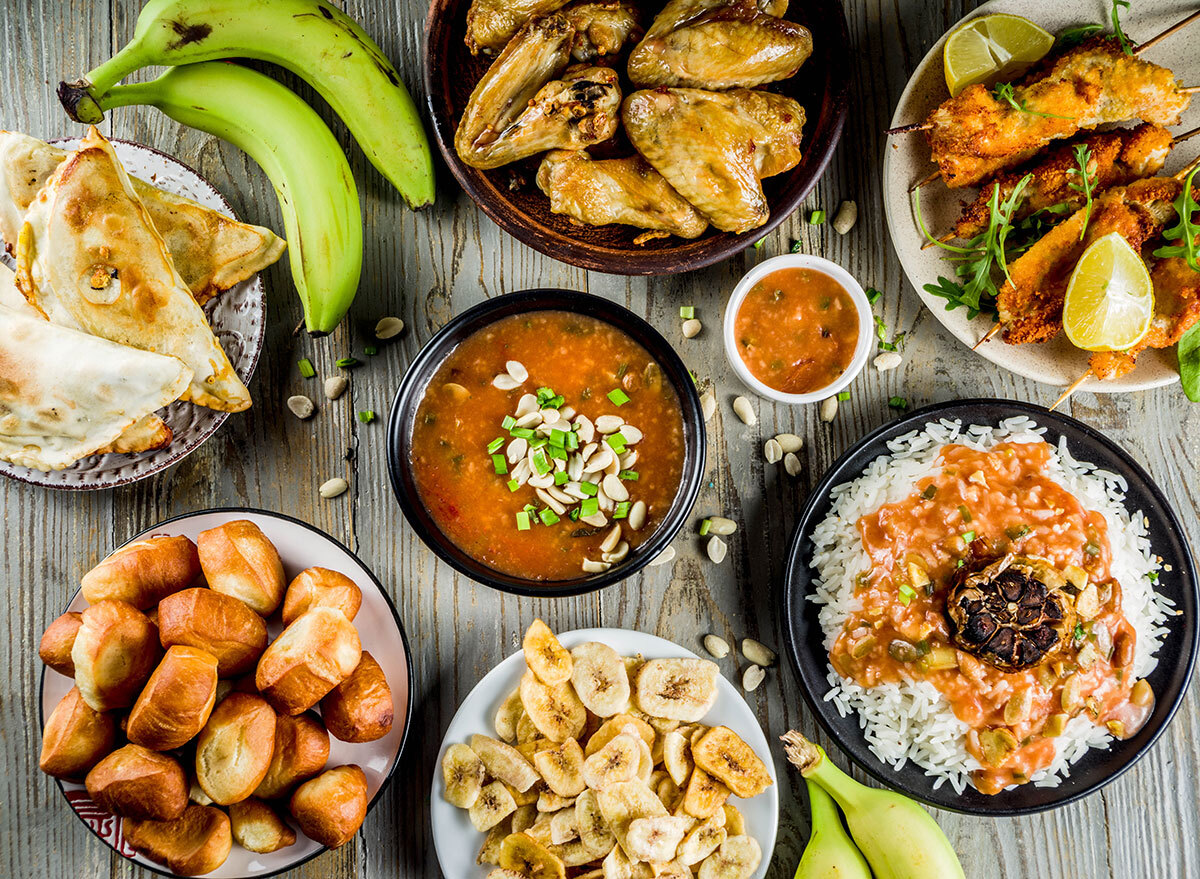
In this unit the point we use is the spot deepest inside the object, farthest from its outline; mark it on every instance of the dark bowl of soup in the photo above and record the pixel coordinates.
(546, 443)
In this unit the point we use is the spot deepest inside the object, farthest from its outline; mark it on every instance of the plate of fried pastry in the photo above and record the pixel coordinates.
(133, 314)
(631, 137)
(227, 694)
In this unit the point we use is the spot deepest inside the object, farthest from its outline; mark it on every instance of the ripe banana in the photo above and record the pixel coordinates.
(300, 155)
(829, 854)
(899, 839)
(311, 38)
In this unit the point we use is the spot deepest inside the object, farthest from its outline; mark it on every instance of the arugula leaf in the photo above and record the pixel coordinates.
(1073, 36)
(1189, 363)
(955, 296)
(1118, 32)
(1083, 158)
(1004, 93)
(1185, 231)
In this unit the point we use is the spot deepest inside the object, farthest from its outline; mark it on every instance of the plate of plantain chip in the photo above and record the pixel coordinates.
(603, 792)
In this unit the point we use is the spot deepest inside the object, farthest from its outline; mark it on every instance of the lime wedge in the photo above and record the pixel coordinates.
(992, 48)
(1110, 298)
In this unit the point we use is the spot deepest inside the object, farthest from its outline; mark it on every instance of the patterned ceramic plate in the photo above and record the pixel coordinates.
(237, 316)
(300, 546)
(457, 842)
(906, 160)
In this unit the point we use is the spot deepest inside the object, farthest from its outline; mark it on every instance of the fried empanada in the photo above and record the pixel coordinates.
(89, 256)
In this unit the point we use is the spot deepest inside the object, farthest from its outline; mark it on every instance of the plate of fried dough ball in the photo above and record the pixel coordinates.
(226, 695)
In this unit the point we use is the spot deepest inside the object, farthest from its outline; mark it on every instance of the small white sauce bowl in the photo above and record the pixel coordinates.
(866, 325)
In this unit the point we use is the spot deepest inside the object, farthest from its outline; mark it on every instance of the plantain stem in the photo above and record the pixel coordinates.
(801, 753)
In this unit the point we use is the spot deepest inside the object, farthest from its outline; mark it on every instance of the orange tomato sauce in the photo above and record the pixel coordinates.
(579, 357)
(1005, 496)
(796, 330)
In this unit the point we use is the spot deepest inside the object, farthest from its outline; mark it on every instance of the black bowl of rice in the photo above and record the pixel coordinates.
(866, 633)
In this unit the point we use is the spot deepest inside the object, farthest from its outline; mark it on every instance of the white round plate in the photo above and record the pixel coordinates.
(906, 160)
(457, 842)
(300, 546)
(237, 317)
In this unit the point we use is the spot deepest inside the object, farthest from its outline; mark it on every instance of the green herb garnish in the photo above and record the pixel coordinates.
(540, 463)
(816, 218)
(843, 396)
(1073, 36)
(687, 312)
(968, 536)
(558, 438)
(907, 594)
(1016, 532)
(618, 397)
(522, 521)
(1188, 352)
(513, 485)
(500, 464)
(929, 491)
(964, 512)
(704, 526)
(561, 478)
(616, 441)
(349, 362)
(494, 445)
(306, 367)
(589, 488)
(1004, 93)
(1091, 548)
(588, 507)
(1083, 158)
(873, 295)
(797, 246)
(548, 516)
(621, 510)
(366, 416)
(898, 402)
(631, 475)
(1185, 231)
(759, 243)
(524, 433)
(509, 422)
(370, 350)
(1118, 31)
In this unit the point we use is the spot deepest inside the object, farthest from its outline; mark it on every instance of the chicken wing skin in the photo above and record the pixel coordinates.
(602, 27)
(714, 148)
(629, 191)
(718, 44)
(492, 23)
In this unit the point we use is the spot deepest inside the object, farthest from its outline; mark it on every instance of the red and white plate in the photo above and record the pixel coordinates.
(300, 546)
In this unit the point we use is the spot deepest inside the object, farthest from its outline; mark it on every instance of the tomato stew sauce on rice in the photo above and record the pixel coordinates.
(511, 430)
(1000, 500)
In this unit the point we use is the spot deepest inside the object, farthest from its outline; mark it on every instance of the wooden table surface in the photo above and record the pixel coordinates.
(427, 267)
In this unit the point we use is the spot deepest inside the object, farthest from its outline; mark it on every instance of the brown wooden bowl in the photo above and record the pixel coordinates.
(511, 198)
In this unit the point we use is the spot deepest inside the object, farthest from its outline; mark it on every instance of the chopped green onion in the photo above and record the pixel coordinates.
(843, 396)
(544, 395)
(898, 403)
(816, 218)
(561, 477)
(1017, 532)
(540, 463)
(907, 594)
(621, 510)
(589, 488)
(349, 362)
(968, 536)
(557, 452)
(704, 526)
(929, 491)
(797, 246)
(589, 507)
(873, 295)
(513, 485)
(558, 438)
(618, 397)
(501, 465)
(572, 441)
(370, 350)
(494, 445)
(366, 416)
(539, 443)
(522, 432)
(959, 563)
(306, 367)
(759, 243)
(1091, 548)
(573, 514)
(964, 512)
(1152, 576)
(687, 312)
(509, 422)
(522, 521)
(616, 442)
(629, 474)
(548, 516)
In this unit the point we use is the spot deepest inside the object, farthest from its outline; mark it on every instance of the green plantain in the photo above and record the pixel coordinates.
(300, 155)
(311, 38)
(830, 854)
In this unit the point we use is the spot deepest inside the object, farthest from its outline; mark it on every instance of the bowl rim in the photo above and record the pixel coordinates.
(434, 352)
(862, 348)
(828, 122)
(408, 662)
(791, 594)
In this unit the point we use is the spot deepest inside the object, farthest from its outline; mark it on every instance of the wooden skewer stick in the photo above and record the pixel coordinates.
(1072, 389)
(945, 239)
(1190, 90)
(1179, 25)
(1187, 169)
(932, 177)
(1187, 135)
(905, 129)
(995, 329)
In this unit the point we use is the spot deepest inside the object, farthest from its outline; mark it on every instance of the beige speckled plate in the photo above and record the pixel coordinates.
(237, 316)
(906, 160)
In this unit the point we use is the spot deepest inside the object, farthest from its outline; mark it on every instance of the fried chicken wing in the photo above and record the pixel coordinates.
(492, 23)
(629, 191)
(718, 44)
(518, 109)
(714, 148)
(602, 27)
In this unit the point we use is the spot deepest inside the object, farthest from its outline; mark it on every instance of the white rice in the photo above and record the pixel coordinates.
(911, 720)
